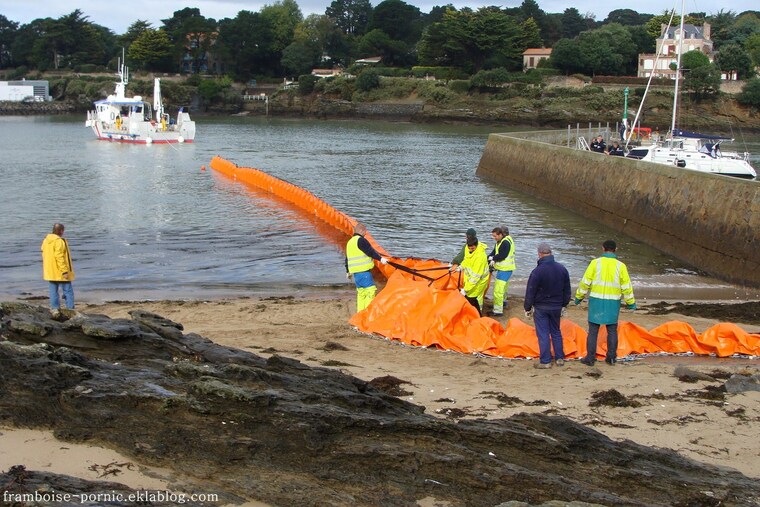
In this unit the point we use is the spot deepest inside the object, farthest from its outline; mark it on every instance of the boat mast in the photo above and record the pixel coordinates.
(678, 74)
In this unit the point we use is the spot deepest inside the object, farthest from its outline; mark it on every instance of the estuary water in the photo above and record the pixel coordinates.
(145, 222)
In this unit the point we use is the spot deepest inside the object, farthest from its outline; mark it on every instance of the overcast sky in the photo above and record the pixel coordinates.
(119, 15)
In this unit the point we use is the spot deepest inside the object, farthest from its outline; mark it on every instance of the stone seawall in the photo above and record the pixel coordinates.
(12, 108)
(711, 222)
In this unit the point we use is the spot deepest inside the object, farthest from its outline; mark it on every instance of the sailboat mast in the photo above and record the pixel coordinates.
(678, 73)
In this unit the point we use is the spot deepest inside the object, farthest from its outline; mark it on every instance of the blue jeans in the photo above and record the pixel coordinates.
(68, 295)
(547, 326)
(612, 341)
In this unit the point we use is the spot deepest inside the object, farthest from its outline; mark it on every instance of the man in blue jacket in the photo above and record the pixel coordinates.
(546, 297)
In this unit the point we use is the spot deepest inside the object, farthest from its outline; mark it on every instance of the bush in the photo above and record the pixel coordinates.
(20, 71)
(306, 83)
(486, 79)
(439, 72)
(750, 94)
(459, 85)
(87, 68)
(435, 92)
(368, 80)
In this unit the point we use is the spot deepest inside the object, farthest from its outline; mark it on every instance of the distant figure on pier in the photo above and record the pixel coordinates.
(598, 145)
(616, 150)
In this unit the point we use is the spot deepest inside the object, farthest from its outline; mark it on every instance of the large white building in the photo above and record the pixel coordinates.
(18, 91)
(668, 44)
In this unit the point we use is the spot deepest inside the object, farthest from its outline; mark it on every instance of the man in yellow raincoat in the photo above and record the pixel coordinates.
(57, 268)
(474, 268)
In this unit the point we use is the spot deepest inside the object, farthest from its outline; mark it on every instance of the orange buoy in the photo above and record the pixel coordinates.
(203, 168)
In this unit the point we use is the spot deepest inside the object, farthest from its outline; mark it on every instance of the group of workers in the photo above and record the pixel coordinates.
(605, 282)
(599, 146)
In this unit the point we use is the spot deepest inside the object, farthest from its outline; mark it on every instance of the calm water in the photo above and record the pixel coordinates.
(145, 222)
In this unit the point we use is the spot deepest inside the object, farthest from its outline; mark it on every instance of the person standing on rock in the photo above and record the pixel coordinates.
(57, 268)
(606, 282)
(359, 264)
(546, 297)
(502, 261)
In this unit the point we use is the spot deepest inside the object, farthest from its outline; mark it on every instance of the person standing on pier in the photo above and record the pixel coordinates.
(606, 282)
(598, 145)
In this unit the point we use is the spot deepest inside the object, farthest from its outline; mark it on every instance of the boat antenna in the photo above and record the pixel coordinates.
(123, 76)
(678, 75)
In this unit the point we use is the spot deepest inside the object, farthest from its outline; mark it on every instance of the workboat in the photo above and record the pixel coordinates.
(123, 119)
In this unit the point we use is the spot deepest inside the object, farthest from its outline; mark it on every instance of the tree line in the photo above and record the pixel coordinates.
(278, 40)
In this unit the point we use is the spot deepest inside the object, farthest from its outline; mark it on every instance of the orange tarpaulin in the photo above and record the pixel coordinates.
(425, 309)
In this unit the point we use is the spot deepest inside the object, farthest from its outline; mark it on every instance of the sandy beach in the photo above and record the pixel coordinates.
(656, 408)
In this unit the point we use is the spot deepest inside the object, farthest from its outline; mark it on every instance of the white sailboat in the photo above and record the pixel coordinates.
(691, 150)
(123, 119)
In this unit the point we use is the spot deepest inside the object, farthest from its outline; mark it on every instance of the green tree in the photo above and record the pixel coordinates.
(572, 23)
(152, 50)
(693, 59)
(734, 59)
(530, 35)
(625, 17)
(398, 19)
(280, 19)
(752, 47)
(238, 43)
(642, 40)
(720, 23)
(567, 57)
(8, 30)
(378, 43)
(745, 26)
(300, 57)
(352, 16)
(750, 94)
(702, 81)
(192, 36)
(367, 80)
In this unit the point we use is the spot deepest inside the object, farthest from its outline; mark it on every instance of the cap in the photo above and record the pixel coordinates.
(471, 232)
(544, 248)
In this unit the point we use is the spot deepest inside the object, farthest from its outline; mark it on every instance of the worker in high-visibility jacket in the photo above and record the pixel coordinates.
(606, 282)
(474, 269)
(502, 261)
(359, 263)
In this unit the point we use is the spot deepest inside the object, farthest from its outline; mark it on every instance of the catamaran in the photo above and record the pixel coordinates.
(123, 119)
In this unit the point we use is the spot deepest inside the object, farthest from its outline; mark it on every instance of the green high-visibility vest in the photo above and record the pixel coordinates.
(507, 264)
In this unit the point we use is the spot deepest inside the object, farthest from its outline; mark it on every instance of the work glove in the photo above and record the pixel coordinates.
(491, 263)
(348, 276)
(383, 260)
(529, 313)
(577, 301)
(631, 306)
(563, 312)
(463, 292)
(490, 259)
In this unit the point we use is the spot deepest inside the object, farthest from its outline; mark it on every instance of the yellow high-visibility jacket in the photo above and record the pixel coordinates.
(56, 259)
(508, 264)
(606, 282)
(475, 270)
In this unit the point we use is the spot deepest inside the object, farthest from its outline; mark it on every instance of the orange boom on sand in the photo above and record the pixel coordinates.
(420, 306)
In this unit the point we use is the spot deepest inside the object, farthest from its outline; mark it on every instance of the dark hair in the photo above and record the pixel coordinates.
(472, 241)
(503, 230)
(609, 245)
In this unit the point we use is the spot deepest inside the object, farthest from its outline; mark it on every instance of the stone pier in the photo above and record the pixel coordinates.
(709, 221)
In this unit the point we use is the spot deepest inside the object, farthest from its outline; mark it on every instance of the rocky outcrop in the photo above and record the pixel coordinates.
(289, 434)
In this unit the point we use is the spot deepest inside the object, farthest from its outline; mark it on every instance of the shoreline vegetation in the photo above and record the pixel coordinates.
(549, 102)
